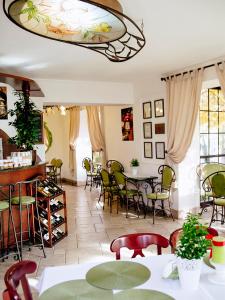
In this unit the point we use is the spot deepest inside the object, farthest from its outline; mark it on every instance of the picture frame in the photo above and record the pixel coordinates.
(3, 103)
(147, 130)
(160, 128)
(160, 150)
(159, 108)
(148, 150)
(147, 110)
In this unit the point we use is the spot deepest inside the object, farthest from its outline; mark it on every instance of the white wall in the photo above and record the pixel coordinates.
(86, 92)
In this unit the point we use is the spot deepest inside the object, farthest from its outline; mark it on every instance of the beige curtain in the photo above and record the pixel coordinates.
(220, 70)
(96, 132)
(183, 94)
(73, 134)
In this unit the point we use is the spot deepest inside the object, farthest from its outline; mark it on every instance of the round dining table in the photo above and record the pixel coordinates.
(207, 290)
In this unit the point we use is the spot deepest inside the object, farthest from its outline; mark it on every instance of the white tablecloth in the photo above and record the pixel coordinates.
(206, 291)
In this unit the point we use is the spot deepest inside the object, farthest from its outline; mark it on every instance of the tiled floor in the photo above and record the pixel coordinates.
(90, 232)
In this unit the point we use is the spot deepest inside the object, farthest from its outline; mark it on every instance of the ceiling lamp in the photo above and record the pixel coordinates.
(98, 25)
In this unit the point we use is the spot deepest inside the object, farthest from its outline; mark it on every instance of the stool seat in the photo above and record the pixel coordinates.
(4, 205)
(25, 200)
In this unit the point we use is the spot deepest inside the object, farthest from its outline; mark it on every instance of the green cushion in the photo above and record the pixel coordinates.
(219, 201)
(115, 167)
(87, 165)
(160, 196)
(129, 193)
(218, 185)
(167, 178)
(105, 178)
(24, 200)
(120, 178)
(4, 205)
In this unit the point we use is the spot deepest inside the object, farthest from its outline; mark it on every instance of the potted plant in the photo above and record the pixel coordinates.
(192, 246)
(134, 166)
(26, 122)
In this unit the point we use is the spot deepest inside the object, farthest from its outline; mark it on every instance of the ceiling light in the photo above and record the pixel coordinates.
(98, 25)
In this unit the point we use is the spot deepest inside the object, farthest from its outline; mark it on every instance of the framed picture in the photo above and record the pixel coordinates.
(160, 128)
(148, 150)
(160, 150)
(147, 129)
(3, 103)
(159, 108)
(147, 110)
(127, 124)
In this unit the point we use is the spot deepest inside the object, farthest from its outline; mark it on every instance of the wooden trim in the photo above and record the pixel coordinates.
(69, 181)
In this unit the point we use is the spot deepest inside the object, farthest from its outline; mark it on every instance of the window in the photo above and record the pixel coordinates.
(212, 126)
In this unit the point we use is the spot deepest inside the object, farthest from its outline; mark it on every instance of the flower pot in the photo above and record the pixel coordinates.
(134, 171)
(189, 272)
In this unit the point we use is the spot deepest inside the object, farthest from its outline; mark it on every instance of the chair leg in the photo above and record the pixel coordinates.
(14, 232)
(212, 218)
(40, 229)
(153, 208)
(170, 210)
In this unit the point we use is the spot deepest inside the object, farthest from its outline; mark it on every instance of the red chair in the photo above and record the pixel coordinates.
(137, 242)
(175, 235)
(15, 275)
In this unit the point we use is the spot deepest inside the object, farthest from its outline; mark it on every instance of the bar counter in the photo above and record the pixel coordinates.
(12, 176)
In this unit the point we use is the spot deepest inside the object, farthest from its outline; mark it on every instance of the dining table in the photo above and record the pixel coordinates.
(142, 178)
(53, 276)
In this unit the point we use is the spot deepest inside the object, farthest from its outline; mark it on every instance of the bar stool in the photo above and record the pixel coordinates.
(4, 206)
(29, 201)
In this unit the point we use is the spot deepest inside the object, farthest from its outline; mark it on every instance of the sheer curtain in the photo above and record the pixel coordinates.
(96, 133)
(183, 94)
(220, 70)
(73, 134)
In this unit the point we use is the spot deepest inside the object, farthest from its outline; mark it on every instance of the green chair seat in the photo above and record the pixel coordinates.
(219, 201)
(3, 205)
(129, 193)
(158, 196)
(25, 200)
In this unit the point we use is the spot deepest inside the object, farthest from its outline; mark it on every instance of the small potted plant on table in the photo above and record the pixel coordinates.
(134, 166)
(192, 246)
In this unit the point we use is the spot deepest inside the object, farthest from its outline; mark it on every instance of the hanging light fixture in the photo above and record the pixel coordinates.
(98, 25)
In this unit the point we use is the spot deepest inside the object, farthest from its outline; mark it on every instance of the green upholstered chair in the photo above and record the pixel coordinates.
(204, 171)
(5, 205)
(215, 183)
(109, 189)
(91, 176)
(26, 198)
(55, 171)
(129, 192)
(114, 166)
(162, 191)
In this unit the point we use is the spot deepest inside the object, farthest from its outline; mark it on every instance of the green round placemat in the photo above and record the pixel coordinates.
(119, 275)
(141, 295)
(207, 261)
(75, 290)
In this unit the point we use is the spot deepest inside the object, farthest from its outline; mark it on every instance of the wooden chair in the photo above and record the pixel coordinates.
(175, 236)
(15, 275)
(137, 242)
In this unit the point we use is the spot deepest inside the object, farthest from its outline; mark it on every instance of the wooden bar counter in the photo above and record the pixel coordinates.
(12, 176)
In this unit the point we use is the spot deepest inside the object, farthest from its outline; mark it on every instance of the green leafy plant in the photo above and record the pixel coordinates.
(26, 121)
(134, 162)
(193, 243)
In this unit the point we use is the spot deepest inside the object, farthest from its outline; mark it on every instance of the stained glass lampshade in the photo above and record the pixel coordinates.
(98, 25)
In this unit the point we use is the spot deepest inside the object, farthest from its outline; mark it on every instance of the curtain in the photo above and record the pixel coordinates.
(221, 75)
(73, 134)
(183, 94)
(96, 132)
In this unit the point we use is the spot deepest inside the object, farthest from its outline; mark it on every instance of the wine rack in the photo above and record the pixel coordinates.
(52, 212)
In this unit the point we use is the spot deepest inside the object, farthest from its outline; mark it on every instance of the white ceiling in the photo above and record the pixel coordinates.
(179, 33)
